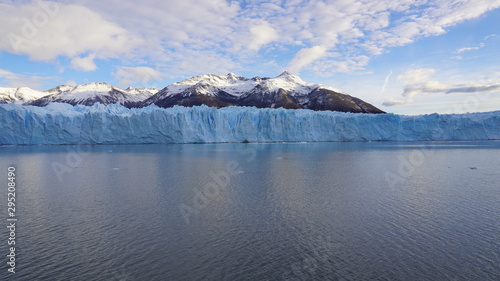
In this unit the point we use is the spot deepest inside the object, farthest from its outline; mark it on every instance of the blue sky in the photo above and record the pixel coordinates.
(407, 57)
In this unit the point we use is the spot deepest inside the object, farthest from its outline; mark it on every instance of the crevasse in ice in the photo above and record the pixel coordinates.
(114, 124)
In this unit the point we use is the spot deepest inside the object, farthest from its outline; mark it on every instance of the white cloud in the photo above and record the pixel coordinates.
(305, 57)
(364, 28)
(427, 20)
(473, 88)
(70, 83)
(128, 76)
(10, 79)
(166, 34)
(466, 49)
(396, 102)
(46, 30)
(419, 82)
(192, 62)
(371, 22)
(348, 65)
(489, 36)
(188, 24)
(7, 75)
(261, 35)
(415, 76)
(84, 64)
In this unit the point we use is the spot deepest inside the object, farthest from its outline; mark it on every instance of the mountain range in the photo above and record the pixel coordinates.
(86, 94)
(286, 90)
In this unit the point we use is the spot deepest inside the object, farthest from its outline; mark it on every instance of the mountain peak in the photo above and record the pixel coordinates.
(95, 84)
(93, 87)
(287, 80)
(60, 89)
(234, 77)
(20, 95)
(286, 74)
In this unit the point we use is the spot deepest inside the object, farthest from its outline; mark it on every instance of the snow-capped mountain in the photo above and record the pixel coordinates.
(91, 93)
(87, 94)
(286, 90)
(140, 94)
(20, 95)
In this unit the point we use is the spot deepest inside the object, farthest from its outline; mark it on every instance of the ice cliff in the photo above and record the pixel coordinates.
(113, 124)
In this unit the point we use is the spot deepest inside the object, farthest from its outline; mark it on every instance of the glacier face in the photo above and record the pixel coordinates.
(60, 123)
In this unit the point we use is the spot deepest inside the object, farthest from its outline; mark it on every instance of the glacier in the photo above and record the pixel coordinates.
(59, 123)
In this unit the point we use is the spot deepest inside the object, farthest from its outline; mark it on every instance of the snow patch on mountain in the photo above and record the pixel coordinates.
(60, 89)
(136, 95)
(237, 85)
(211, 83)
(80, 94)
(291, 83)
(90, 90)
(20, 95)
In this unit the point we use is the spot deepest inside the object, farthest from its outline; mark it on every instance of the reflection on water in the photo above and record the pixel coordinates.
(290, 211)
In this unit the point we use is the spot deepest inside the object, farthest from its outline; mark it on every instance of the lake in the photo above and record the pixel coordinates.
(282, 211)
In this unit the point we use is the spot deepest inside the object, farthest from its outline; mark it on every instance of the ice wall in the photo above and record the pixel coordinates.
(65, 124)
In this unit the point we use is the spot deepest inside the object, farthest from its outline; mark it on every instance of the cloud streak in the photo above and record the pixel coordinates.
(418, 82)
(16, 80)
(386, 81)
(396, 102)
(133, 75)
(473, 89)
(466, 49)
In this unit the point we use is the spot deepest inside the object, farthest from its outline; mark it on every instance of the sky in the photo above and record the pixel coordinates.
(406, 57)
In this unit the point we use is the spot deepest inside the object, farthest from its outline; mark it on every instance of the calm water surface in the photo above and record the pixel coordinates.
(295, 211)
